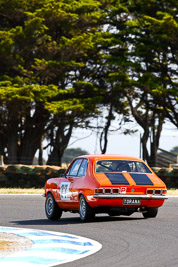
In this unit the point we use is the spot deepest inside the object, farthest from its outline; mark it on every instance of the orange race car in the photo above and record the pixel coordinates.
(112, 184)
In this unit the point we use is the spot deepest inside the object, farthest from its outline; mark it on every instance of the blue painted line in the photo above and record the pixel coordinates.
(55, 240)
(61, 250)
(49, 248)
(47, 234)
(61, 242)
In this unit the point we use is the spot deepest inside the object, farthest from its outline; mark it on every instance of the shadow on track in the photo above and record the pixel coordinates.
(74, 220)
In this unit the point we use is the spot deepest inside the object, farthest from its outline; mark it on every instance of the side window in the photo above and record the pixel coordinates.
(83, 168)
(74, 168)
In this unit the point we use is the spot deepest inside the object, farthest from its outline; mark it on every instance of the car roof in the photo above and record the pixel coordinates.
(95, 157)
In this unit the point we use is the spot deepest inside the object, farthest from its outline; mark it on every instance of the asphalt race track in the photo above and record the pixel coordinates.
(127, 241)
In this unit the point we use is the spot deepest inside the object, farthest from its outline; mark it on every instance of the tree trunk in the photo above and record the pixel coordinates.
(60, 144)
(33, 132)
(40, 158)
(144, 140)
(2, 144)
(104, 133)
(12, 137)
(155, 134)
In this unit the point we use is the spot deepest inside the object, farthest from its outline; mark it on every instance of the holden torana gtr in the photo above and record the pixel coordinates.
(112, 184)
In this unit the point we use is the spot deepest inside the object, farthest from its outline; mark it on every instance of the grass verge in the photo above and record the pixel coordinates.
(21, 190)
(172, 192)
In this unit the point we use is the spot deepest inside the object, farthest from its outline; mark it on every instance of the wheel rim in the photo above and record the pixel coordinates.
(82, 207)
(49, 206)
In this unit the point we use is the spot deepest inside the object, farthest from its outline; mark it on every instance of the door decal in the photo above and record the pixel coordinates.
(64, 191)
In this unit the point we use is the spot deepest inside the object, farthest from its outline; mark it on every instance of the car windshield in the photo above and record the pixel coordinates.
(103, 166)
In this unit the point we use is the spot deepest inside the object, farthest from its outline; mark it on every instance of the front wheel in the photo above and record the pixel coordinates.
(86, 212)
(151, 213)
(53, 212)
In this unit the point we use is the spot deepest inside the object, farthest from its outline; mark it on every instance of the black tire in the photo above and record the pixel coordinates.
(86, 212)
(151, 213)
(53, 212)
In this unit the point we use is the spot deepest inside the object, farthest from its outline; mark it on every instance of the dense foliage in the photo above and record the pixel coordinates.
(59, 59)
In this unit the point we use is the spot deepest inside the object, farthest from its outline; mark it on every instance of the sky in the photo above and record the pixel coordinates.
(122, 144)
(119, 143)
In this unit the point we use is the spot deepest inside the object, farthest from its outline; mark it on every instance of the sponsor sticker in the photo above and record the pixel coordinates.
(123, 190)
(64, 191)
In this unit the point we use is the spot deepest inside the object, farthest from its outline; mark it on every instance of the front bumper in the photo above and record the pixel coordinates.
(110, 196)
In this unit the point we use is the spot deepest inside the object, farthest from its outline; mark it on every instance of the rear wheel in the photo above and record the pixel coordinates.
(86, 212)
(53, 212)
(151, 213)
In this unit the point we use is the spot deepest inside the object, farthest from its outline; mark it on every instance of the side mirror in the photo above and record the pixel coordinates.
(63, 175)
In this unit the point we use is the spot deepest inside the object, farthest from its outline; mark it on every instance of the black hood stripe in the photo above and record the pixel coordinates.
(117, 178)
(141, 179)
